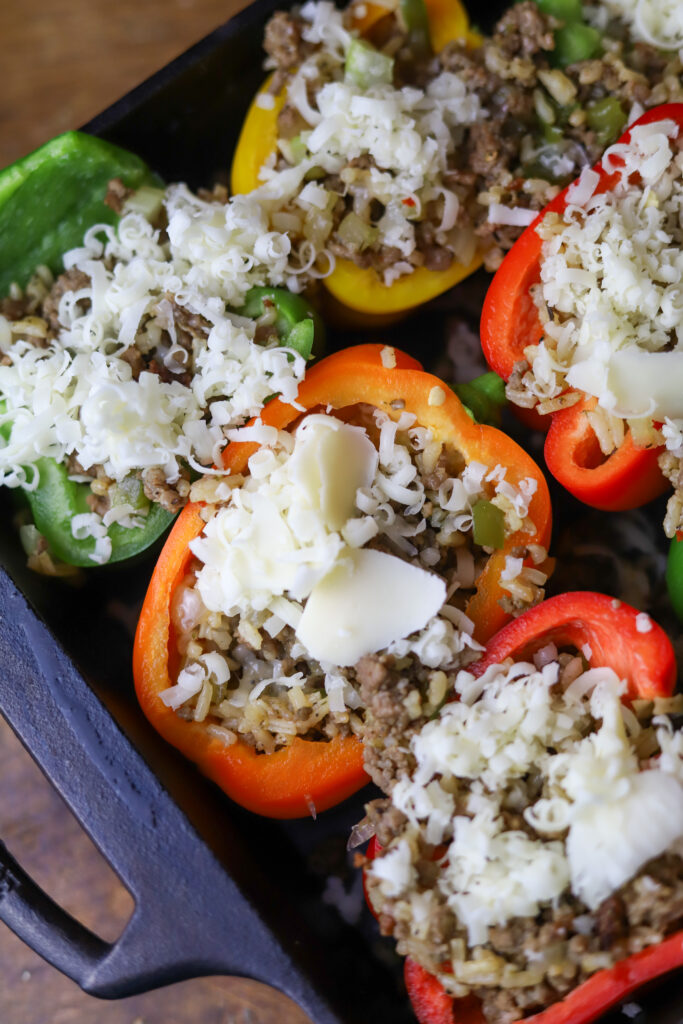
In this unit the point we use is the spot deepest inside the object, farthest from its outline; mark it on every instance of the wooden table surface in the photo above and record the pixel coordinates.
(62, 61)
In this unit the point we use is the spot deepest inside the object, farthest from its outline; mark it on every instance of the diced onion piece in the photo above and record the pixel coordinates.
(366, 66)
(516, 216)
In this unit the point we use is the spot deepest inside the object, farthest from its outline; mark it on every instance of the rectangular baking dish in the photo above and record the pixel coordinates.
(217, 890)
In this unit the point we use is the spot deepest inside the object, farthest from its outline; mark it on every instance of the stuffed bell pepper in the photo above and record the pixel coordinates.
(134, 332)
(401, 150)
(529, 856)
(357, 131)
(370, 520)
(583, 320)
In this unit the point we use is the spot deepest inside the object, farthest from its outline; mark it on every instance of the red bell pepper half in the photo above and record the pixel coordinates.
(308, 774)
(646, 660)
(629, 477)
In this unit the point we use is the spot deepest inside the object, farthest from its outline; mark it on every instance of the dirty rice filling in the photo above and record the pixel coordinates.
(610, 302)
(130, 367)
(349, 542)
(416, 159)
(536, 835)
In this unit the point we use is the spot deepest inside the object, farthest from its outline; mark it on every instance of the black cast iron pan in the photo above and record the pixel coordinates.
(217, 890)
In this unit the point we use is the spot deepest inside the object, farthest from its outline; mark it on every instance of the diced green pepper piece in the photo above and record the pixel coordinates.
(416, 19)
(574, 42)
(563, 10)
(552, 134)
(147, 201)
(315, 174)
(130, 492)
(298, 325)
(607, 118)
(52, 196)
(298, 147)
(488, 524)
(483, 398)
(365, 66)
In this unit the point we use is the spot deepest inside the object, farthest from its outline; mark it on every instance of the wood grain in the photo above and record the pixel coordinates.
(62, 61)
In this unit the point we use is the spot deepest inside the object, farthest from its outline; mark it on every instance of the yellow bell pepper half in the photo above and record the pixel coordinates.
(257, 141)
(356, 288)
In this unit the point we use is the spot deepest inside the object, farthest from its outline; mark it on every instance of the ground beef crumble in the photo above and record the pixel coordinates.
(116, 196)
(69, 281)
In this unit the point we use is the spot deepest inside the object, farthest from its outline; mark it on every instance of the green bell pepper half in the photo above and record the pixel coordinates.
(51, 197)
(483, 398)
(48, 200)
(674, 576)
(57, 500)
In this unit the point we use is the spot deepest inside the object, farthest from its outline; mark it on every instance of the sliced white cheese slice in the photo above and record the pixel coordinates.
(609, 841)
(331, 460)
(639, 379)
(365, 603)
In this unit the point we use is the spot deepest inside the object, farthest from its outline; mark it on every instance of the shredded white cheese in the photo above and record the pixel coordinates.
(658, 22)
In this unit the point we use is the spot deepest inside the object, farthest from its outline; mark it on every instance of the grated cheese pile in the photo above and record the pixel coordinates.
(567, 762)
(658, 22)
(77, 396)
(408, 134)
(289, 546)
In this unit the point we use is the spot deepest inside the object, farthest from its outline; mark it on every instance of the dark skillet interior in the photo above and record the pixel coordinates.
(184, 121)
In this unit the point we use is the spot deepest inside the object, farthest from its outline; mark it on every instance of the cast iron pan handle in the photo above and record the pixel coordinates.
(43, 924)
(190, 919)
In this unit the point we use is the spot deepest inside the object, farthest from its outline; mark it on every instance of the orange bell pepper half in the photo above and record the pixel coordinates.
(629, 477)
(308, 774)
(647, 662)
(356, 288)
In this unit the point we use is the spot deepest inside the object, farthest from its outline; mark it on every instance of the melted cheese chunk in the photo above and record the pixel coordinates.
(609, 840)
(330, 462)
(651, 382)
(368, 601)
